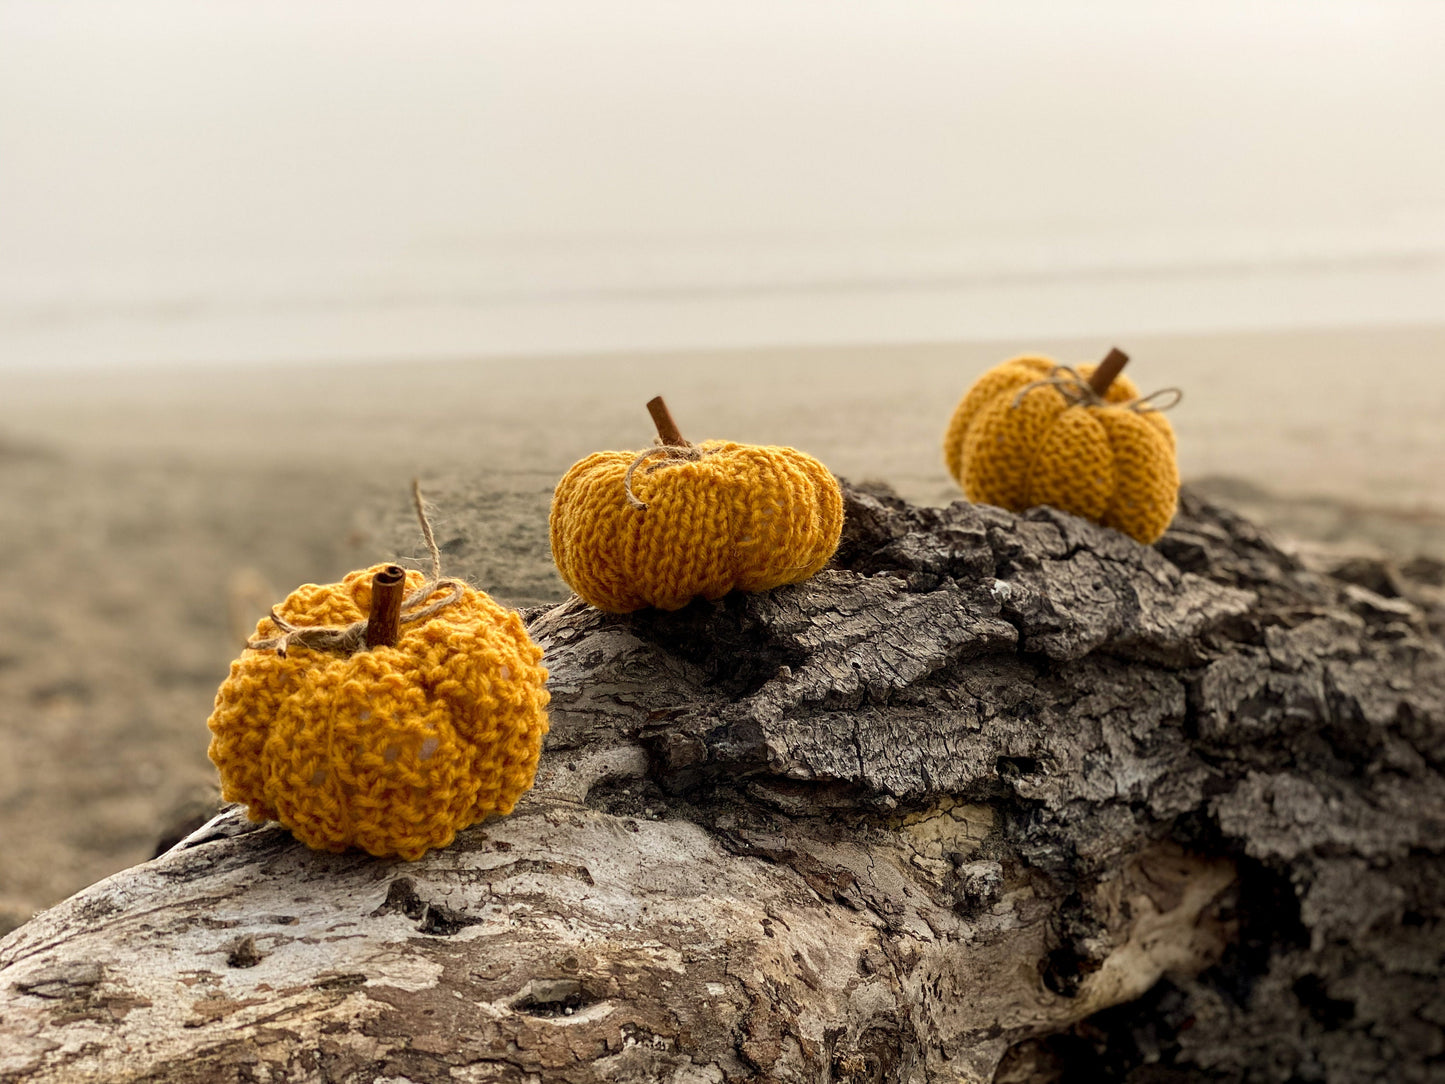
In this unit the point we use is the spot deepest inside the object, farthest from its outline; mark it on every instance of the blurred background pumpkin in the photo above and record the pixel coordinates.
(1032, 432)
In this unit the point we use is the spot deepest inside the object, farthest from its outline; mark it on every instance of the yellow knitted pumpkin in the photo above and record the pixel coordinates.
(662, 527)
(392, 749)
(1031, 432)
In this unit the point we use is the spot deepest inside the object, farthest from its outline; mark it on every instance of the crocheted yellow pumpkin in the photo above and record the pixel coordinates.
(662, 527)
(1031, 432)
(392, 749)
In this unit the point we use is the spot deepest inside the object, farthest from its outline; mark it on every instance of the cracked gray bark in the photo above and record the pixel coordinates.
(994, 798)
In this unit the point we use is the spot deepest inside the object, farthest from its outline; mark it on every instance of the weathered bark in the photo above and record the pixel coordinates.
(996, 797)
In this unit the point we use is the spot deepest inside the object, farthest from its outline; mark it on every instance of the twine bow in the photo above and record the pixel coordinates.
(1077, 391)
(682, 452)
(346, 639)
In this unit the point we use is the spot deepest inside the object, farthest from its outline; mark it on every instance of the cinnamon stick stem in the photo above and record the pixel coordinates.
(383, 625)
(666, 427)
(1108, 369)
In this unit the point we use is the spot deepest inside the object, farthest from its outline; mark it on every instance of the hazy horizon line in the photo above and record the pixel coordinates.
(183, 305)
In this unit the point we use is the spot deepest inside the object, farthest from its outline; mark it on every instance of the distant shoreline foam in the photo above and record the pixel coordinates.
(711, 303)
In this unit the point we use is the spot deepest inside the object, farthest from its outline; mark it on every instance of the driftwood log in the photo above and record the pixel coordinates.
(995, 798)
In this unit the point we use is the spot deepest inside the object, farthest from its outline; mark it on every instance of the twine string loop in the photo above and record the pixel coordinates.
(1076, 390)
(346, 639)
(680, 452)
(1169, 398)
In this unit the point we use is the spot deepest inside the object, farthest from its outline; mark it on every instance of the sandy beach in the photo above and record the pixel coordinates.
(148, 517)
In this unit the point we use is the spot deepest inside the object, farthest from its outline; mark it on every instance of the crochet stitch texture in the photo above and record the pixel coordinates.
(739, 517)
(393, 749)
(1109, 463)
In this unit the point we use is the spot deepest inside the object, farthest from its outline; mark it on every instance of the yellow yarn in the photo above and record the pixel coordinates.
(740, 517)
(392, 749)
(1107, 463)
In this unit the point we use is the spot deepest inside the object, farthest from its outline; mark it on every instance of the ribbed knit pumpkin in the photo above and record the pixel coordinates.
(389, 749)
(727, 517)
(1109, 459)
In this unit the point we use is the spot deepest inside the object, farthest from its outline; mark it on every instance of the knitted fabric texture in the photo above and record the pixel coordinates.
(1110, 463)
(738, 517)
(392, 749)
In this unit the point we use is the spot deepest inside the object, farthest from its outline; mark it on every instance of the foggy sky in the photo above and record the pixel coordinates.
(158, 147)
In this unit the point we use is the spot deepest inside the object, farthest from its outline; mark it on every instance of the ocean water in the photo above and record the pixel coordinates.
(510, 297)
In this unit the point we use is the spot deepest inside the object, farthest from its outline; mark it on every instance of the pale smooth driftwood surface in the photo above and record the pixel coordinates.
(995, 798)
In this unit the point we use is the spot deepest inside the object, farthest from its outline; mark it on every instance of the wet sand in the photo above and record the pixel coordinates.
(149, 517)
